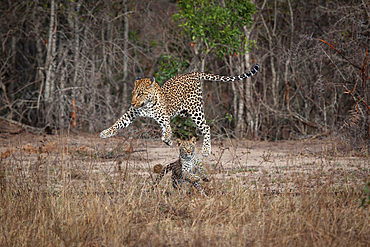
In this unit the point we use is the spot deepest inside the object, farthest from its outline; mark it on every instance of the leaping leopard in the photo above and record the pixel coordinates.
(180, 95)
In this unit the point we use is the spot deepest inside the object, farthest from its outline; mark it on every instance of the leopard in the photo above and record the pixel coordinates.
(185, 168)
(181, 95)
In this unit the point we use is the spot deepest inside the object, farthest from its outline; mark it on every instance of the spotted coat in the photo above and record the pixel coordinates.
(186, 167)
(180, 95)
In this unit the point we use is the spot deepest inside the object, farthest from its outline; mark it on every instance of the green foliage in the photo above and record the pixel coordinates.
(133, 35)
(218, 27)
(183, 128)
(229, 117)
(365, 197)
(169, 67)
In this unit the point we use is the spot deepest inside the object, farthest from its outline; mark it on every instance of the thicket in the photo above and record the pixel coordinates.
(72, 64)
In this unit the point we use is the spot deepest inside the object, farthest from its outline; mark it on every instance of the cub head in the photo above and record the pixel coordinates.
(143, 91)
(187, 147)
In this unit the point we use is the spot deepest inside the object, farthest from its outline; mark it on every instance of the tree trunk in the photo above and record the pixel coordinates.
(107, 84)
(50, 65)
(125, 61)
(63, 73)
(76, 57)
(40, 77)
(275, 78)
(233, 88)
(240, 124)
(250, 112)
(197, 58)
(13, 68)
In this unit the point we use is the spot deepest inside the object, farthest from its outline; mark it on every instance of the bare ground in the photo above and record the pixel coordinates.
(277, 166)
(80, 190)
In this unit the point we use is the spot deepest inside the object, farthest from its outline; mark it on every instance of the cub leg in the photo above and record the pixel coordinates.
(191, 177)
(202, 174)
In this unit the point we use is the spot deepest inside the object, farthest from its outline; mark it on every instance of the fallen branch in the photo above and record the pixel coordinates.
(27, 128)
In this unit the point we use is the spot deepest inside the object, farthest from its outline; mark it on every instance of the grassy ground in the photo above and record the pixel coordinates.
(70, 192)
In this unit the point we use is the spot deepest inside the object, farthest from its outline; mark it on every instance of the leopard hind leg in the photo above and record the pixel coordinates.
(200, 121)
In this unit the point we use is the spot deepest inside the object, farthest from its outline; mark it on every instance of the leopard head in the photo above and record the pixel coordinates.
(143, 92)
(187, 147)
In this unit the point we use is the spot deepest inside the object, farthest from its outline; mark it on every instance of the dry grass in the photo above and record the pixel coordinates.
(64, 195)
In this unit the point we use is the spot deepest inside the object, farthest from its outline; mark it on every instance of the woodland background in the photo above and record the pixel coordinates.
(71, 65)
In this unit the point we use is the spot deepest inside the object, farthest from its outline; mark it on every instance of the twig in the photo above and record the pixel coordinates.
(367, 13)
(363, 70)
(356, 98)
(341, 54)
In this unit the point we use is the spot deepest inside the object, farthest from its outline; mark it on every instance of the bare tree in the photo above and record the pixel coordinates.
(50, 56)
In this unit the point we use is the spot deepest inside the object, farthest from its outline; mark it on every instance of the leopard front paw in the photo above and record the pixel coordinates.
(194, 179)
(108, 133)
(167, 141)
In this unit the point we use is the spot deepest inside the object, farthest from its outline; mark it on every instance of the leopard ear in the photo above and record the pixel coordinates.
(136, 81)
(178, 142)
(151, 85)
(193, 139)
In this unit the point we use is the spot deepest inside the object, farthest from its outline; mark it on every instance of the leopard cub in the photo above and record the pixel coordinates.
(185, 168)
